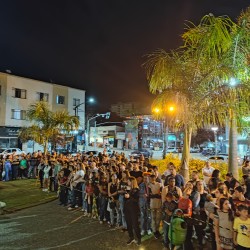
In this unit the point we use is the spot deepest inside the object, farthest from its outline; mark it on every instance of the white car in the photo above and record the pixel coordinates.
(8, 151)
(172, 150)
(195, 150)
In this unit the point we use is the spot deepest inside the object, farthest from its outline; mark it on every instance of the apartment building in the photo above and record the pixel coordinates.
(125, 109)
(18, 93)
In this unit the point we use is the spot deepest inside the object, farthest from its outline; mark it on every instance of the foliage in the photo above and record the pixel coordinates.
(196, 76)
(47, 126)
(194, 165)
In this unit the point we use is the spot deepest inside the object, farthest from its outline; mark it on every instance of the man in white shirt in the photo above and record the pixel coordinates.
(207, 172)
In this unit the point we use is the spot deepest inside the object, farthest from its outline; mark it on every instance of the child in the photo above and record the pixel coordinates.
(224, 225)
(168, 208)
(242, 229)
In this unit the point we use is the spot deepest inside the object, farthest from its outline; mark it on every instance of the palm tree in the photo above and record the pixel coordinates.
(195, 76)
(47, 125)
(226, 46)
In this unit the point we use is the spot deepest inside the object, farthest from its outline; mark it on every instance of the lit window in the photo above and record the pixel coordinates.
(18, 114)
(60, 99)
(42, 96)
(76, 101)
(19, 93)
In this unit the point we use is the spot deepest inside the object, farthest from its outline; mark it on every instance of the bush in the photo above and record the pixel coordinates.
(194, 165)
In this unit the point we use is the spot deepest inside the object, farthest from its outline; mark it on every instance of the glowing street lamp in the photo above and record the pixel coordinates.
(215, 129)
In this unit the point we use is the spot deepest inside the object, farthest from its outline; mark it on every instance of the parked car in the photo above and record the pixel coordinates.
(172, 150)
(8, 151)
(221, 157)
(137, 153)
(218, 158)
(194, 150)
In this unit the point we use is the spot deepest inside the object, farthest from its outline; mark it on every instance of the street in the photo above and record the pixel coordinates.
(50, 226)
(157, 155)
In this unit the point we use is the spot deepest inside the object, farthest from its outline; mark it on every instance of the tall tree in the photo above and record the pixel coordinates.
(225, 45)
(47, 125)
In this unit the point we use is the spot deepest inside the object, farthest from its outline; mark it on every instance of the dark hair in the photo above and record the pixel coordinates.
(230, 211)
(216, 173)
(229, 175)
(239, 189)
(242, 207)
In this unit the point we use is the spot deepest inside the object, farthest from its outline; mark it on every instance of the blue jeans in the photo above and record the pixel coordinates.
(165, 233)
(7, 173)
(112, 214)
(84, 202)
(145, 218)
(121, 208)
(103, 201)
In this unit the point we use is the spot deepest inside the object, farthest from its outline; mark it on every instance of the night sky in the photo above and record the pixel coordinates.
(97, 45)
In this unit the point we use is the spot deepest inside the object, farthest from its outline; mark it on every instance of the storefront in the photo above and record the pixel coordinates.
(9, 137)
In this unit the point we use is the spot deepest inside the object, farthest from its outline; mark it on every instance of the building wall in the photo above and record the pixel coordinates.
(77, 94)
(3, 84)
(8, 100)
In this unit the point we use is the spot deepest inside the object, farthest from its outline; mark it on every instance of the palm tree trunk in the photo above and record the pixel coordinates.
(233, 157)
(45, 146)
(186, 153)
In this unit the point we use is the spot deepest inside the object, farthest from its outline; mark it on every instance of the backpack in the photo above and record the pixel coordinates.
(177, 229)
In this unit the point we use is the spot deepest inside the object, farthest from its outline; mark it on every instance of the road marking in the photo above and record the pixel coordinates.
(19, 217)
(76, 219)
(54, 229)
(75, 241)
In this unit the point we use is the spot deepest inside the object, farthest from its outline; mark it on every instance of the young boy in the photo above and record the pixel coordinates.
(168, 208)
(242, 229)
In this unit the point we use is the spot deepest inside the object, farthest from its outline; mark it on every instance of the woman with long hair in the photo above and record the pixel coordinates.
(132, 211)
(223, 223)
(113, 199)
(121, 191)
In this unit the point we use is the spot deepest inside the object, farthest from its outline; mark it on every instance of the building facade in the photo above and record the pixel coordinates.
(18, 93)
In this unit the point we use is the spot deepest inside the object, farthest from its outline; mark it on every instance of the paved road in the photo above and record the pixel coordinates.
(157, 155)
(50, 226)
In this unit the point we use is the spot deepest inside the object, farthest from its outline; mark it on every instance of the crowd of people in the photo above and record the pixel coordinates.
(133, 196)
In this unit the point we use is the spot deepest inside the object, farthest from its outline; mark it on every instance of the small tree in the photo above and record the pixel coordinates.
(47, 125)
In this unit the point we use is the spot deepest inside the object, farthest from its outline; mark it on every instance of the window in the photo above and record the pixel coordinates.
(76, 101)
(19, 93)
(60, 99)
(18, 114)
(42, 96)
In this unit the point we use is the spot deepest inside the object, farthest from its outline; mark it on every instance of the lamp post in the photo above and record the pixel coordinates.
(215, 129)
(106, 115)
(170, 110)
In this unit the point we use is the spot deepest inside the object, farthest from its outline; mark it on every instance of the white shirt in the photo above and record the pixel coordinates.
(208, 171)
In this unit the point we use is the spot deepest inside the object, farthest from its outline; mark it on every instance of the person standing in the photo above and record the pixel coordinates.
(242, 229)
(224, 225)
(155, 189)
(7, 169)
(179, 180)
(23, 167)
(207, 172)
(14, 165)
(132, 211)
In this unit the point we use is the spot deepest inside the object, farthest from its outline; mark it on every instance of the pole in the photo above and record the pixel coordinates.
(165, 138)
(95, 137)
(215, 141)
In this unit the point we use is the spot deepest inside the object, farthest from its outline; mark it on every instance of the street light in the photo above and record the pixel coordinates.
(215, 129)
(169, 110)
(106, 115)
